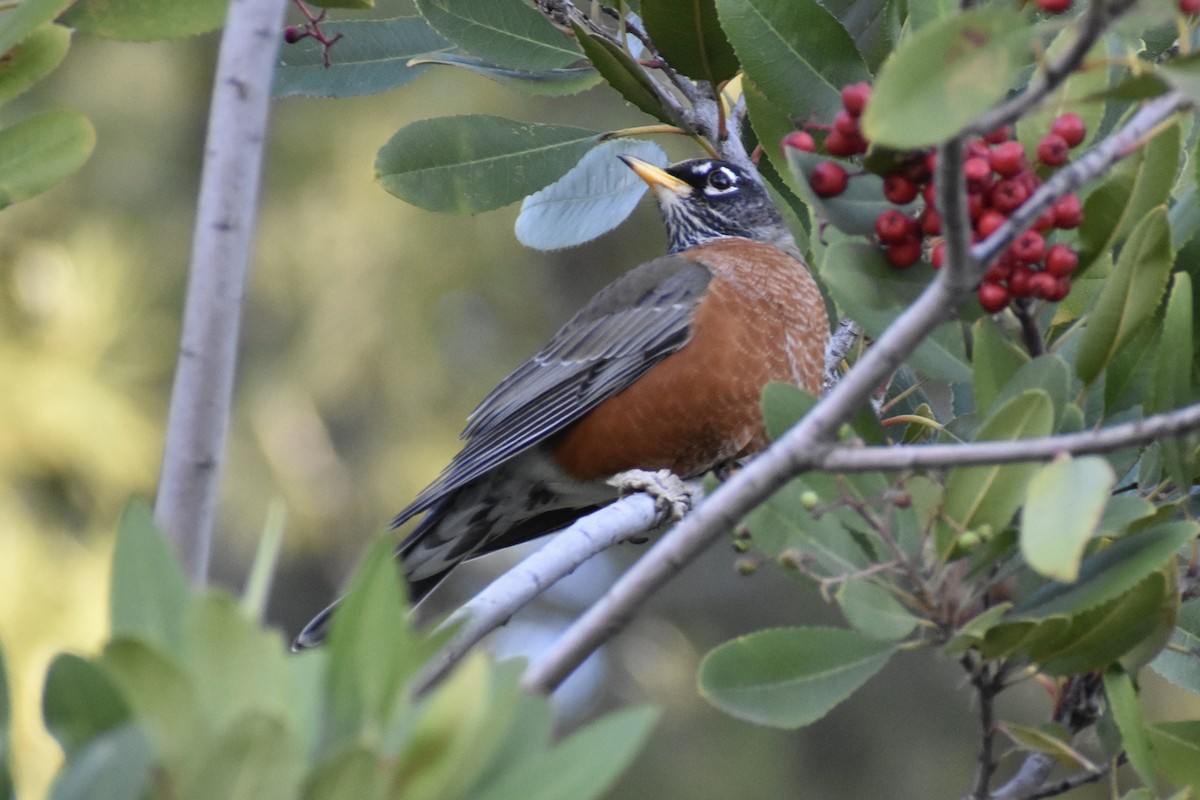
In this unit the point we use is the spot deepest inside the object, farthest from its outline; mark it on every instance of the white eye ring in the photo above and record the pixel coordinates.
(721, 181)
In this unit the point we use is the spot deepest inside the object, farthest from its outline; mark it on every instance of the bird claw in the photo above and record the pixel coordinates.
(671, 495)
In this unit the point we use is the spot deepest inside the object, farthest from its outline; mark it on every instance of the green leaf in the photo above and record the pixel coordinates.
(32, 59)
(1111, 572)
(1173, 373)
(256, 758)
(266, 561)
(1122, 697)
(946, 75)
(687, 34)
(550, 82)
(874, 611)
(783, 523)
(28, 16)
(351, 773)
(582, 767)
(595, 196)
(853, 211)
(80, 702)
(116, 765)
(873, 293)
(40, 151)
(1049, 373)
(990, 495)
(624, 74)
(1051, 742)
(783, 405)
(1054, 532)
(1178, 664)
(1182, 73)
(789, 677)
(476, 163)
(372, 56)
(870, 25)
(1176, 748)
(145, 20)
(1130, 295)
(150, 596)
(372, 651)
(237, 667)
(995, 359)
(795, 52)
(507, 33)
(1069, 95)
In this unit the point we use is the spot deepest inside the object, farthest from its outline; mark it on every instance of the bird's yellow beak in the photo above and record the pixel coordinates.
(661, 182)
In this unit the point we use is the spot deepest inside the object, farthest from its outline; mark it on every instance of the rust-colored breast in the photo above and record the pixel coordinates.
(762, 319)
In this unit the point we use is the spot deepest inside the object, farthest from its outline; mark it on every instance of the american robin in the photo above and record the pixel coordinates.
(662, 369)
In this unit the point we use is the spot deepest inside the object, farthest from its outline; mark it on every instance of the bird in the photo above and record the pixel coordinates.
(661, 370)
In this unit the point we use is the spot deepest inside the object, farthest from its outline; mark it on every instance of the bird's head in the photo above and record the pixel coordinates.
(705, 199)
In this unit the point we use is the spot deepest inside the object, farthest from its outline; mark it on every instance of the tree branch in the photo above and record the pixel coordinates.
(225, 224)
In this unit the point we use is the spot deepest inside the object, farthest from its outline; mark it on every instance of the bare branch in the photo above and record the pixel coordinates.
(225, 225)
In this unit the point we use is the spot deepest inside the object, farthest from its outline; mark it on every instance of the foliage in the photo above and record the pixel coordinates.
(191, 697)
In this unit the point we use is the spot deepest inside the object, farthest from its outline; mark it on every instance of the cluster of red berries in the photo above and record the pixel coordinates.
(999, 180)
(1060, 6)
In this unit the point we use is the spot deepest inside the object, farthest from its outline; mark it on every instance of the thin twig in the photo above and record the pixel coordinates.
(988, 684)
(225, 224)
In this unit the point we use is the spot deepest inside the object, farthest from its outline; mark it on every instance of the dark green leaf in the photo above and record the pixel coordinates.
(595, 196)
(41, 150)
(1172, 381)
(507, 33)
(150, 596)
(1182, 73)
(946, 75)
(783, 523)
(79, 702)
(17, 23)
(790, 677)
(870, 23)
(32, 59)
(624, 74)
(1177, 750)
(1049, 373)
(372, 56)
(582, 767)
(1118, 686)
(795, 52)
(1179, 664)
(1111, 572)
(688, 36)
(551, 82)
(874, 611)
(873, 293)
(145, 20)
(256, 758)
(783, 405)
(1053, 532)
(476, 163)
(1130, 295)
(116, 765)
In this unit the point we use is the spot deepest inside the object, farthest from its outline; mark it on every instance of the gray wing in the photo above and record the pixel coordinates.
(635, 322)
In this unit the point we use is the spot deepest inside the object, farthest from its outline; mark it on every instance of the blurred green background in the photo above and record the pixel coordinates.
(371, 328)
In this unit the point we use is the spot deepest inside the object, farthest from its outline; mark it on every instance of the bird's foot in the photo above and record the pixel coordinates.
(671, 495)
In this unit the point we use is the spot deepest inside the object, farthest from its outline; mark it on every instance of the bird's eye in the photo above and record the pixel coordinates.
(720, 179)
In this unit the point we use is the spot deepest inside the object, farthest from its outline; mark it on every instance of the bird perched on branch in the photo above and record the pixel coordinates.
(662, 370)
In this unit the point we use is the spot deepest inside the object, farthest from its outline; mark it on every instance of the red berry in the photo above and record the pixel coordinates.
(931, 222)
(1062, 287)
(1008, 158)
(854, 98)
(892, 227)
(1189, 6)
(1045, 222)
(840, 144)
(828, 179)
(988, 222)
(845, 124)
(1053, 150)
(1029, 247)
(999, 135)
(292, 34)
(904, 254)
(1018, 281)
(899, 189)
(1054, 6)
(1042, 284)
(1008, 195)
(937, 256)
(1068, 213)
(1071, 128)
(977, 171)
(1061, 261)
(976, 148)
(1000, 270)
(976, 205)
(799, 140)
(993, 297)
